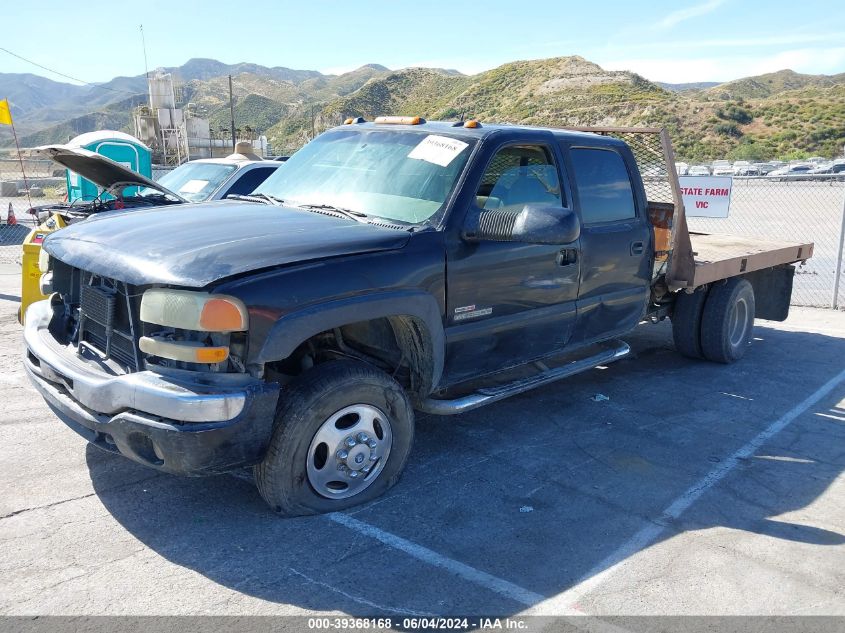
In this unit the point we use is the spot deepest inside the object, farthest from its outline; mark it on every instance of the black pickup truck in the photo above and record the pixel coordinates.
(387, 267)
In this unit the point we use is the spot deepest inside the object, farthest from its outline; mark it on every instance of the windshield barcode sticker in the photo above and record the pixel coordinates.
(440, 150)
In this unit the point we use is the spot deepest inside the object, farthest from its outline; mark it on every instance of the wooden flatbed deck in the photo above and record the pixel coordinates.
(721, 256)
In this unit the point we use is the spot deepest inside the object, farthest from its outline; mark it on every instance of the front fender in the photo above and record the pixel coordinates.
(292, 329)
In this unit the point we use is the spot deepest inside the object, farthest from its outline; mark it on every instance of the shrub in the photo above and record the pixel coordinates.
(735, 113)
(728, 129)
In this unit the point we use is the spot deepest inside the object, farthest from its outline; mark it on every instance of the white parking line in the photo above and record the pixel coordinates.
(473, 575)
(567, 601)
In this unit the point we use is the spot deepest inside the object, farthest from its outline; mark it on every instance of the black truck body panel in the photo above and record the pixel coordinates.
(294, 266)
(206, 242)
(616, 261)
(484, 305)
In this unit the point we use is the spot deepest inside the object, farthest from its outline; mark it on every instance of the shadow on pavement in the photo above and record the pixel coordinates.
(591, 474)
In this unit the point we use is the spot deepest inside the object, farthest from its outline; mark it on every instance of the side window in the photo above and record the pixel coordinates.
(519, 175)
(603, 185)
(248, 183)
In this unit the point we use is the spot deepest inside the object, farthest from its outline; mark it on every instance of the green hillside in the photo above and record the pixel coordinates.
(770, 84)
(787, 122)
(255, 111)
(782, 114)
(116, 116)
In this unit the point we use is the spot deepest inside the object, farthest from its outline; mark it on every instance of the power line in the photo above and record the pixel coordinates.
(56, 72)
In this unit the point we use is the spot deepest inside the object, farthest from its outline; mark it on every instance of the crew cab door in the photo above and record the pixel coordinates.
(508, 302)
(616, 241)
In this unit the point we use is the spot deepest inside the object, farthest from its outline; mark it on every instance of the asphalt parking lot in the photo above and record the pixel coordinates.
(690, 488)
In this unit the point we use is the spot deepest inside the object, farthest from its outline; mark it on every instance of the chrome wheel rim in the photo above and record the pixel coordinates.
(739, 322)
(349, 451)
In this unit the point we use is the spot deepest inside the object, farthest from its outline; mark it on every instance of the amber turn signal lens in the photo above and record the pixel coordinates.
(212, 355)
(221, 315)
(185, 351)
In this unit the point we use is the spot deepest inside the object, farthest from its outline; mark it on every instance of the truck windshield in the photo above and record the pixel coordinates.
(397, 175)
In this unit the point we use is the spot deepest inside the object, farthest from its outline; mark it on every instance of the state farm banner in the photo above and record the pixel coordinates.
(706, 196)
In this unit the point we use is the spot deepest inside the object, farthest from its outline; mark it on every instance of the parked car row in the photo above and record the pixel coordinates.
(796, 170)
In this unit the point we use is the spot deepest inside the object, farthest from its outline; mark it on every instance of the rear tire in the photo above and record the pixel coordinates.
(319, 412)
(686, 322)
(727, 322)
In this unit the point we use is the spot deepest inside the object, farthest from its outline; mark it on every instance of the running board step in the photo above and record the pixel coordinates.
(486, 395)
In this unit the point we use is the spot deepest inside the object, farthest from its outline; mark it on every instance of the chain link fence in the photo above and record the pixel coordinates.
(788, 209)
(44, 184)
(792, 209)
(779, 209)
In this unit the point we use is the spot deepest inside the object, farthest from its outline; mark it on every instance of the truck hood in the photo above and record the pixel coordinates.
(102, 171)
(197, 244)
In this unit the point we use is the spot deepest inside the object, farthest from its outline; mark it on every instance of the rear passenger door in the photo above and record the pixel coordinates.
(616, 241)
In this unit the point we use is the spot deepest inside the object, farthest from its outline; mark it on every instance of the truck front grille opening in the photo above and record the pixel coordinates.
(107, 318)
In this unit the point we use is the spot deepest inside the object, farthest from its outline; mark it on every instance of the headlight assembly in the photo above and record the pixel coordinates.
(198, 311)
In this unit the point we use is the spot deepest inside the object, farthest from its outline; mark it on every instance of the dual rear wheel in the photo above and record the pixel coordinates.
(715, 322)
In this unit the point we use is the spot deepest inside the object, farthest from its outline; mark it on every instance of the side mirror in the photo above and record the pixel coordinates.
(534, 224)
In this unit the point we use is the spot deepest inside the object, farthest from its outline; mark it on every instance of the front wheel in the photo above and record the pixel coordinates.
(342, 435)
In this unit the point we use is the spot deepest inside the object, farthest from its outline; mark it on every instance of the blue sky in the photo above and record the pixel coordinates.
(701, 40)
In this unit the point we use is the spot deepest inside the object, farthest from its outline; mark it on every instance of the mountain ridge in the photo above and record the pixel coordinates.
(764, 115)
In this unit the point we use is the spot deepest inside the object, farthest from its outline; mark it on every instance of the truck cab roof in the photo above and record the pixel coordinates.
(482, 131)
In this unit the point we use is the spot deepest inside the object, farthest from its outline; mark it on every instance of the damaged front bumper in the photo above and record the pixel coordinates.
(193, 423)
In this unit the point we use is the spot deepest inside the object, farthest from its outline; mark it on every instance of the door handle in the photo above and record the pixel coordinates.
(567, 256)
(637, 248)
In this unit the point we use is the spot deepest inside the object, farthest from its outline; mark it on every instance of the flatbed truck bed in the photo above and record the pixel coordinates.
(718, 257)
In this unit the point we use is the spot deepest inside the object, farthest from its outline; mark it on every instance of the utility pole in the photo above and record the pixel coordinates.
(232, 112)
(144, 46)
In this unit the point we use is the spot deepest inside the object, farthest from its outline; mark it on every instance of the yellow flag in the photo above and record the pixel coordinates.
(5, 113)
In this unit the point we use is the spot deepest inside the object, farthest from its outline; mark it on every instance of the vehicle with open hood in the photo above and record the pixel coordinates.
(121, 188)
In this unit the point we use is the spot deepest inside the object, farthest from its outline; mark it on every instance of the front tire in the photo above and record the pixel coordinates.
(727, 322)
(342, 435)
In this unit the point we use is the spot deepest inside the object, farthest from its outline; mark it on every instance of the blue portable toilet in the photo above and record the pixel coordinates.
(118, 146)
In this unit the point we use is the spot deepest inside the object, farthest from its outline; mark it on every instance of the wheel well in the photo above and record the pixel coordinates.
(401, 346)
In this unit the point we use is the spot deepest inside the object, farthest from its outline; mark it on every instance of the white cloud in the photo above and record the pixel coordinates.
(825, 61)
(682, 15)
(771, 40)
(746, 42)
(725, 68)
(674, 70)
